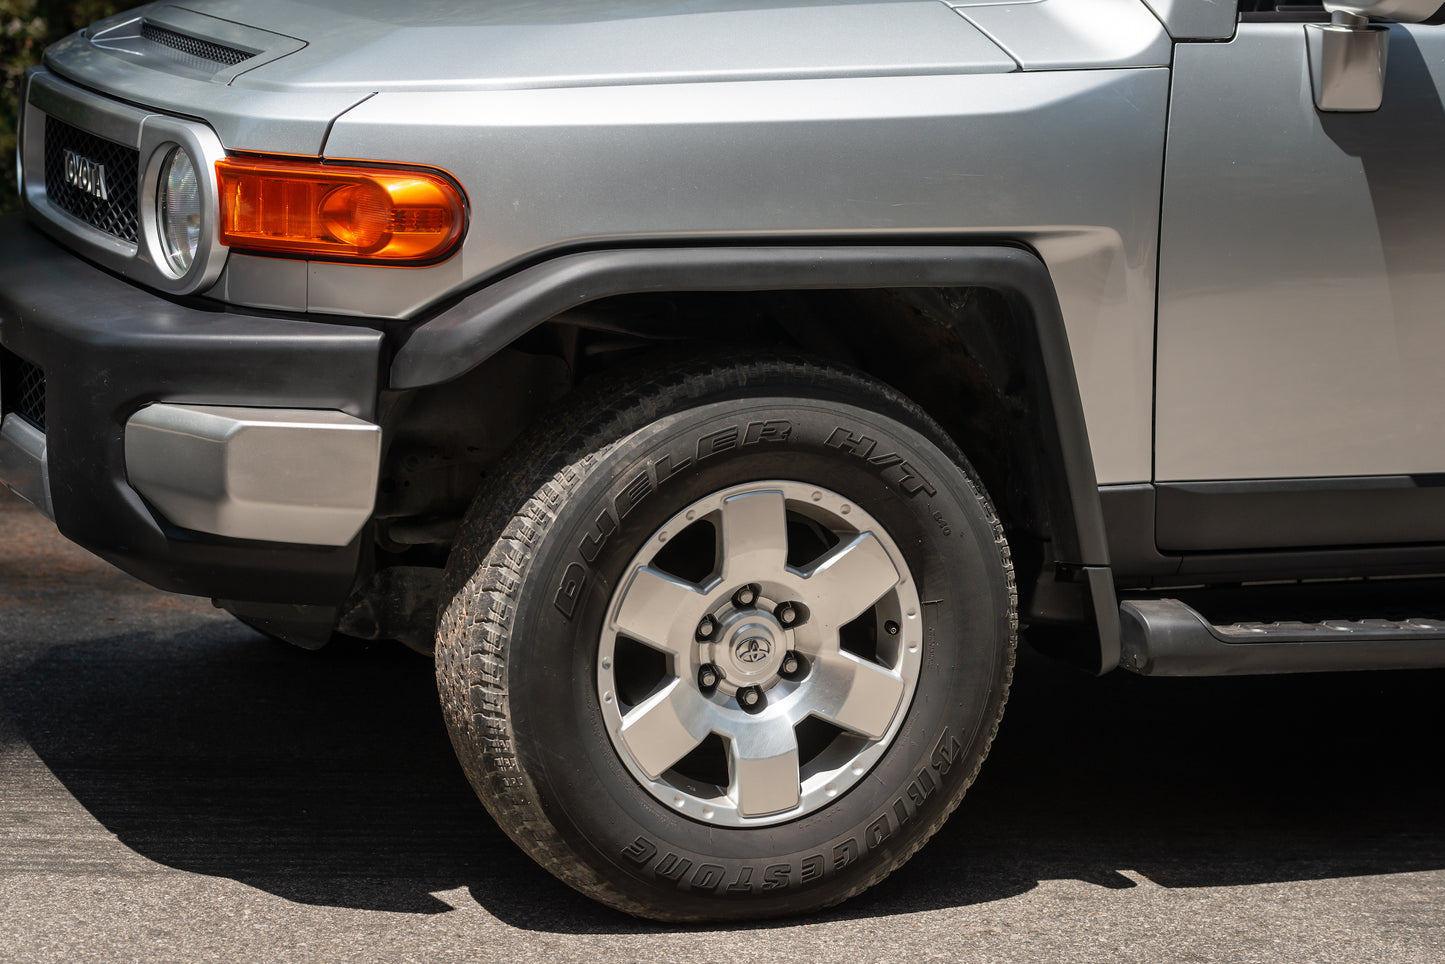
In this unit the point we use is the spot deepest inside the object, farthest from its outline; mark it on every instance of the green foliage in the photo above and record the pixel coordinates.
(27, 27)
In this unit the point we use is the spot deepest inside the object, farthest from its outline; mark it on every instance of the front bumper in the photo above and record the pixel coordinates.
(109, 349)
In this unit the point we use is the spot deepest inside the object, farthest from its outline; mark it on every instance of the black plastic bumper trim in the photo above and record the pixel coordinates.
(109, 347)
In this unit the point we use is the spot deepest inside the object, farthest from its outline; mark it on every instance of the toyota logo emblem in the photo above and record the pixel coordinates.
(753, 650)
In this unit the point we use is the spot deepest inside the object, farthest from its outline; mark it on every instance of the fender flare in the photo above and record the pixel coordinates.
(462, 336)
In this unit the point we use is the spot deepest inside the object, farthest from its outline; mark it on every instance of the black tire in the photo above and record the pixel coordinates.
(523, 608)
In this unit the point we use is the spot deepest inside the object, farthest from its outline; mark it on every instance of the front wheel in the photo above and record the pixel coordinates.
(728, 640)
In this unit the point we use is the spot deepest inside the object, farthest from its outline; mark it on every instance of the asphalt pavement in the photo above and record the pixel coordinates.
(176, 787)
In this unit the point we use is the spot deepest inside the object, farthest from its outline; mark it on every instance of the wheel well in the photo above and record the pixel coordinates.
(952, 350)
(957, 352)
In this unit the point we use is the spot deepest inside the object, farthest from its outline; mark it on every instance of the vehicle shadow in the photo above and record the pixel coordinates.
(1398, 147)
(328, 779)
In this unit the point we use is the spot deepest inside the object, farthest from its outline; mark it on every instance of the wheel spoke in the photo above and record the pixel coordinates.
(660, 610)
(845, 583)
(857, 695)
(764, 763)
(754, 536)
(666, 727)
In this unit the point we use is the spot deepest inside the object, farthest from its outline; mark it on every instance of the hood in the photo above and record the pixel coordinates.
(272, 75)
(377, 45)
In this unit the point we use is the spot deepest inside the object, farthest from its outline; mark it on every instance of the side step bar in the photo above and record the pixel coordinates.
(1166, 637)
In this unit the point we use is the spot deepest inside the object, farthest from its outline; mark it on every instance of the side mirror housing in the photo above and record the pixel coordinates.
(1347, 62)
(1348, 56)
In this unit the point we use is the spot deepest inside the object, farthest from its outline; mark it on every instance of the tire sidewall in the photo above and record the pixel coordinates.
(935, 513)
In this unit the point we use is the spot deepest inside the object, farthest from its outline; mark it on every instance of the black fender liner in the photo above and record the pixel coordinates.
(478, 326)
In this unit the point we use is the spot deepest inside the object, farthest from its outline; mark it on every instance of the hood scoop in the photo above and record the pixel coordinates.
(179, 41)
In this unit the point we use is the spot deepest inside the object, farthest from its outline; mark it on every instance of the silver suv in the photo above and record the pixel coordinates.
(717, 387)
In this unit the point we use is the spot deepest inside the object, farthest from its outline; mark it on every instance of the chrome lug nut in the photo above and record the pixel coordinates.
(750, 697)
(791, 665)
(789, 614)
(707, 628)
(707, 676)
(745, 596)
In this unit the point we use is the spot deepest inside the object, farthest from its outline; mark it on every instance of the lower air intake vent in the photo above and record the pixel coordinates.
(23, 387)
(194, 49)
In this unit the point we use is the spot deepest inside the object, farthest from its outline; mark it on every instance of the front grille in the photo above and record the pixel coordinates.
(116, 213)
(194, 48)
(22, 389)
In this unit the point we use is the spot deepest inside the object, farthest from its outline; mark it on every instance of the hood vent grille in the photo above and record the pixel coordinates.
(192, 49)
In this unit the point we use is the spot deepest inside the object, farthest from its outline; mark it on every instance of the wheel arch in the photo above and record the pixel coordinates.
(1020, 314)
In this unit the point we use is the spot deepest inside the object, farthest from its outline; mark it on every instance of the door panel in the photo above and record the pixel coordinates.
(1302, 267)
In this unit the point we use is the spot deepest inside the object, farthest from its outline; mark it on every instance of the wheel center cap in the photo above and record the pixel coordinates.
(754, 649)
(750, 650)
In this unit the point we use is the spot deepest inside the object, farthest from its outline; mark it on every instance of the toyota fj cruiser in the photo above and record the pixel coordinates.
(718, 386)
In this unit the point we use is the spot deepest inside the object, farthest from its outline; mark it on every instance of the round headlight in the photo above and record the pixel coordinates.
(178, 210)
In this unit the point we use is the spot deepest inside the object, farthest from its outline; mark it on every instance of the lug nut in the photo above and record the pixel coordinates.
(707, 676)
(787, 614)
(706, 628)
(745, 596)
(791, 664)
(750, 697)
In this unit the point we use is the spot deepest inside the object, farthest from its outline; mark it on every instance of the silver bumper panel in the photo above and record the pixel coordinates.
(277, 475)
(23, 467)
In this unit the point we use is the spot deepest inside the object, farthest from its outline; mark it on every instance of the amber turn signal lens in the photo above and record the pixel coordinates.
(331, 211)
